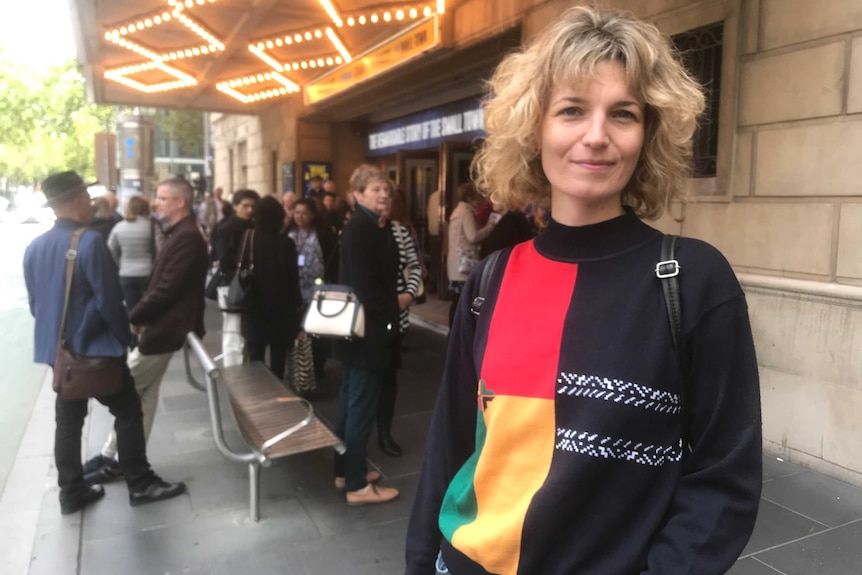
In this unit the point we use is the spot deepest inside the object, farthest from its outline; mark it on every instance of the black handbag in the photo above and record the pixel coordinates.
(217, 279)
(78, 376)
(239, 292)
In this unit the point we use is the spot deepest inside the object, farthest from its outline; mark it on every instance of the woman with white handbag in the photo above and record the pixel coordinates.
(369, 266)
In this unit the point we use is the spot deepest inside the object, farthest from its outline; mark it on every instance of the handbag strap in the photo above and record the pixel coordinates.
(241, 256)
(71, 255)
(484, 283)
(667, 270)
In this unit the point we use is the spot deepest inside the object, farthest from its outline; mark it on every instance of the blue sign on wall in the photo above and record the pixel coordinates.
(460, 121)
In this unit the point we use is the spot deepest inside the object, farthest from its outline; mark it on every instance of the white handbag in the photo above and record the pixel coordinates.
(335, 311)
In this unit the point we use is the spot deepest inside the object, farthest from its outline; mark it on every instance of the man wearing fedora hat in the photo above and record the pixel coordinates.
(96, 325)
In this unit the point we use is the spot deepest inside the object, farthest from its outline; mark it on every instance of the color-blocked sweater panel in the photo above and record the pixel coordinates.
(577, 455)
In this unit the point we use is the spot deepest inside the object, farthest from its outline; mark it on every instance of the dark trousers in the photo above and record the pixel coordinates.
(277, 354)
(69, 415)
(389, 392)
(456, 288)
(133, 290)
(357, 408)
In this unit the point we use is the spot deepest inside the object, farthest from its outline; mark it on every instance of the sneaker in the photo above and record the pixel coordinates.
(90, 494)
(157, 490)
(101, 469)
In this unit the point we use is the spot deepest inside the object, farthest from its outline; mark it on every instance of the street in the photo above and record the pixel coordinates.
(20, 378)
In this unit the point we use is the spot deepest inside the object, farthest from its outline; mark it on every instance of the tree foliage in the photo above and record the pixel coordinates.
(46, 123)
(185, 128)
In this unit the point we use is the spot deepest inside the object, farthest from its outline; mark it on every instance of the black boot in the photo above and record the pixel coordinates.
(387, 444)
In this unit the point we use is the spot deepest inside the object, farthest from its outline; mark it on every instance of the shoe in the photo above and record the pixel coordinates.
(371, 477)
(387, 444)
(157, 490)
(101, 469)
(90, 494)
(371, 494)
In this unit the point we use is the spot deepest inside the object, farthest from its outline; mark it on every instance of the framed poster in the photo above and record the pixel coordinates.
(287, 177)
(312, 171)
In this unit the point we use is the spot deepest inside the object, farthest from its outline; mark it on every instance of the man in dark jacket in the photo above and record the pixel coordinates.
(369, 259)
(96, 325)
(171, 307)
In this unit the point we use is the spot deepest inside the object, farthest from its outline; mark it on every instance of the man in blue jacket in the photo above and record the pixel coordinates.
(96, 325)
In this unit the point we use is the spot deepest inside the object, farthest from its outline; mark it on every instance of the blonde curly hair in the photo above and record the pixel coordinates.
(508, 165)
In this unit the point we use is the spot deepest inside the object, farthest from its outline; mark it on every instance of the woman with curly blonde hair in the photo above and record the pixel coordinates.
(577, 429)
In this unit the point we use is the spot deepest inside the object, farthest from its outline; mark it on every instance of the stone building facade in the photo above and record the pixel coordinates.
(784, 204)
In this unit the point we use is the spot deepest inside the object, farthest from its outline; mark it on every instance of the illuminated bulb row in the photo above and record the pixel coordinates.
(199, 30)
(331, 12)
(136, 69)
(138, 49)
(191, 52)
(318, 63)
(164, 87)
(338, 45)
(188, 3)
(264, 95)
(401, 14)
(287, 40)
(248, 80)
(148, 22)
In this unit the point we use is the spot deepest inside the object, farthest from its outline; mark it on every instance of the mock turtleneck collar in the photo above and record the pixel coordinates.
(594, 241)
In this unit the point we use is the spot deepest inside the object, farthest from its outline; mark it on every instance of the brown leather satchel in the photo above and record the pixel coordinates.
(78, 376)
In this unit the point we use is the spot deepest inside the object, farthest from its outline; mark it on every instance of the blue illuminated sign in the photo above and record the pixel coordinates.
(460, 121)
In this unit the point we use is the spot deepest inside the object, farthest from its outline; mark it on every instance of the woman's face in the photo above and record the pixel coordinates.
(591, 139)
(302, 216)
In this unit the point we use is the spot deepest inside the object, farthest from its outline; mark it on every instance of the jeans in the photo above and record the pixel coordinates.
(133, 290)
(357, 408)
(125, 406)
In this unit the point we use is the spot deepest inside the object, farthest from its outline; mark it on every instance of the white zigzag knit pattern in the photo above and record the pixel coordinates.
(594, 445)
(618, 391)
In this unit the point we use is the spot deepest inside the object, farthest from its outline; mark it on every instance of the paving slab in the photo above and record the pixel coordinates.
(834, 552)
(816, 496)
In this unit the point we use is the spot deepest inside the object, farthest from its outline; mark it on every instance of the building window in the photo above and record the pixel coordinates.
(701, 54)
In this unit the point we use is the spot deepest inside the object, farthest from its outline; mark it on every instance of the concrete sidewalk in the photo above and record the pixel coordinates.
(808, 524)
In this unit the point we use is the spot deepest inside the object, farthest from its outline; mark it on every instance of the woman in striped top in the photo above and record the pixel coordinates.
(408, 281)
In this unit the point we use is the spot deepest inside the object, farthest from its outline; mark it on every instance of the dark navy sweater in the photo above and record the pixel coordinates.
(555, 446)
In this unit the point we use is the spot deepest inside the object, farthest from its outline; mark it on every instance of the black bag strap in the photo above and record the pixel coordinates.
(484, 283)
(241, 256)
(71, 255)
(152, 240)
(667, 270)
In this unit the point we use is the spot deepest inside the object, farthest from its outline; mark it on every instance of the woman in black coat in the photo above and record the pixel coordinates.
(273, 318)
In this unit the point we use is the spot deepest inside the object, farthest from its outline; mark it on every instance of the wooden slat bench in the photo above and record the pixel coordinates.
(273, 421)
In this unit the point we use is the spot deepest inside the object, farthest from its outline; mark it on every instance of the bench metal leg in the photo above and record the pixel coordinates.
(254, 490)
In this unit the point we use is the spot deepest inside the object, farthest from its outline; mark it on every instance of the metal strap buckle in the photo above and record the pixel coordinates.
(70, 254)
(476, 306)
(667, 269)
